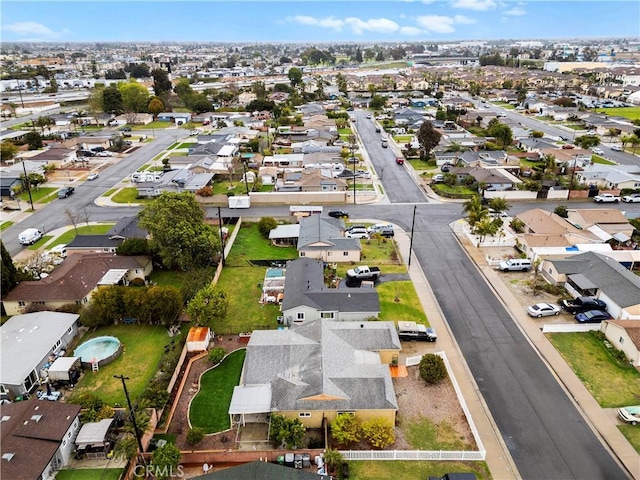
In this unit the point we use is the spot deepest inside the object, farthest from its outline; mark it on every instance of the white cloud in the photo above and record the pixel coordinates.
(462, 20)
(357, 25)
(515, 12)
(436, 23)
(479, 5)
(33, 28)
(411, 31)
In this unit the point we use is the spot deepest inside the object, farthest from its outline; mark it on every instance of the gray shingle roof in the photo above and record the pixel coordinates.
(618, 283)
(324, 365)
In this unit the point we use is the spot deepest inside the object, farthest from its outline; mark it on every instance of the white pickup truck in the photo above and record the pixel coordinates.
(606, 198)
(363, 272)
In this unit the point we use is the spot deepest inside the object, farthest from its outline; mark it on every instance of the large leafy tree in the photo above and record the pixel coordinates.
(428, 137)
(295, 76)
(209, 303)
(34, 140)
(7, 151)
(135, 97)
(155, 106)
(182, 238)
(165, 461)
(9, 271)
(501, 132)
(112, 100)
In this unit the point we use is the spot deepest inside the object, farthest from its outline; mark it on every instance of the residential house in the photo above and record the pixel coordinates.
(535, 145)
(494, 179)
(487, 158)
(56, 157)
(245, 98)
(177, 117)
(624, 335)
(9, 184)
(323, 238)
(607, 223)
(284, 160)
(571, 157)
(596, 275)
(310, 180)
(609, 177)
(37, 438)
(317, 370)
(182, 180)
(134, 119)
(27, 342)
(74, 281)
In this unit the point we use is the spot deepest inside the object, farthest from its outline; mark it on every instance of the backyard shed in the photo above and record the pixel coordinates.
(64, 368)
(198, 339)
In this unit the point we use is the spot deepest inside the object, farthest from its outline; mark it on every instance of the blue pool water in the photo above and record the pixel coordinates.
(97, 349)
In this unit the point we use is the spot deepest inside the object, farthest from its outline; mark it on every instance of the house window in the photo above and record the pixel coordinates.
(64, 442)
(300, 316)
(346, 412)
(345, 254)
(22, 304)
(70, 330)
(328, 315)
(58, 343)
(329, 254)
(302, 254)
(621, 340)
(69, 434)
(304, 414)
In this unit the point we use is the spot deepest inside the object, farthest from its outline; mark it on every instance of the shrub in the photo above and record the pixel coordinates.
(346, 429)
(205, 192)
(561, 210)
(156, 397)
(265, 225)
(379, 432)
(432, 368)
(286, 431)
(195, 436)
(216, 355)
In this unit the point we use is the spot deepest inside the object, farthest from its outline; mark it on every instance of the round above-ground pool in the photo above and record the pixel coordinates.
(100, 350)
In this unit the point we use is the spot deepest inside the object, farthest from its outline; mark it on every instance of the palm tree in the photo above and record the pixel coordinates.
(126, 448)
(487, 226)
(333, 459)
(499, 204)
(475, 211)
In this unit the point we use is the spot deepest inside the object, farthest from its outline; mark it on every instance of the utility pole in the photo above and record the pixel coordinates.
(27, 183)
(244, 169)
(221, 236)
(131, 413)
(413, 224)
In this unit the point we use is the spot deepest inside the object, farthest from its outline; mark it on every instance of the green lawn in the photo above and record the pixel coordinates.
(69, 235)
(611, 384)
(250, 245)
(152, 125)
(418, 164)
(632, 113)
(5, 225)
(424, 434)
(413, 470)
(600, 160)
(128, 195)
(108, 193)
(243, 286)
(38, 194)
(143, 349)
(401, 139)
(209, 409)
(344, 131)
(90, 474)
(187, 144)
(40, 243)
(223, 187)
(632, 433)
(455, 190)
(408, 308)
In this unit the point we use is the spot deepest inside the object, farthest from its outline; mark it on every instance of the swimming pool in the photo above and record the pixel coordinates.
(100, 350)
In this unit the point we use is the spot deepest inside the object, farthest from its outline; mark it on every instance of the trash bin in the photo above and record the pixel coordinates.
(280, 459)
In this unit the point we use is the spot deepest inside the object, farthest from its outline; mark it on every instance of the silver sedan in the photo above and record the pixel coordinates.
(543, 310)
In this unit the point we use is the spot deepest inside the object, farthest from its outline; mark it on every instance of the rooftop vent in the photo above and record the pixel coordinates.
(8, 456)
(36, 418)
(5, 418)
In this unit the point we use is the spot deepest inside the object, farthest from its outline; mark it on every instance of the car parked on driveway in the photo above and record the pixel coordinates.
(357, 233)
(106, 153)
(630, 414)
(583, 304)
(592, 316)
(543, 310)
(633, 198)
(338, 214)
(65, 192)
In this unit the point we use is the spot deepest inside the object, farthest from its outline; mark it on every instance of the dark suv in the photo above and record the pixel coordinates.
(65, 192)
(583, 304)
(338, 214)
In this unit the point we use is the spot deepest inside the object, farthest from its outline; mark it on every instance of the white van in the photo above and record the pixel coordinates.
(30, 236)
(59, 251)
(515, 265)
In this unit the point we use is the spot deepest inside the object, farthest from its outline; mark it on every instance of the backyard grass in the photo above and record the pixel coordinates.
(408, 308)
(128, 195)
(424, 434)
(89, 474)
(611, 384)
(143, 349)
(632, 113)
(152, 125)
(5, 225)
(250, 245)
(600, 160)
(209, 409)
(344, 131)
(37, 194)
(223, 187)
(69, 235)
(243, 287)
(413, 470)
(378, 253)
(632, 433)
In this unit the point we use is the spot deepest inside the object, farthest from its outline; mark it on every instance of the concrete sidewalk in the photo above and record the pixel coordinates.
(603, 421)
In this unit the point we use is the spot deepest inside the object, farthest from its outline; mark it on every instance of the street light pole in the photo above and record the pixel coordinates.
(413, 224)
(26, 182)
(131, 412)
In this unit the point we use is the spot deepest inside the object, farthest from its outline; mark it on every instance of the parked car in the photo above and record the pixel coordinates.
(400, 160)
(543, 310)
(98, 149)
(617, 148)
(597, 151)
(86, 153)
(65, 192)
(357, 233)
(446, 167)
(583, 304)
(592, 316)
(338, 214)
(633, 198)
(439, 178)
(606, 198)
(363, 174)
(106, 153)
(29, 236)
(630, 414)
(355, 226)
(92, 176)
(378, 130)
(384, 144)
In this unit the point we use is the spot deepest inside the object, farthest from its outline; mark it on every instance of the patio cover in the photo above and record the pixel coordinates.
(621, 237)
(285, 231)
(93, 433)
(63, 364)
(250, 399)
(582, 282)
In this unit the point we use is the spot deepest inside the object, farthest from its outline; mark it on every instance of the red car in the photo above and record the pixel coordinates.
(400, 160)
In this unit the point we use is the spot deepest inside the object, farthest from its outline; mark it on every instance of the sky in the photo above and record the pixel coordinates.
(365, 21)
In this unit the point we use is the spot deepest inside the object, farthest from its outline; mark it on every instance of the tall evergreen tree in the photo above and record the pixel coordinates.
(9, 271)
